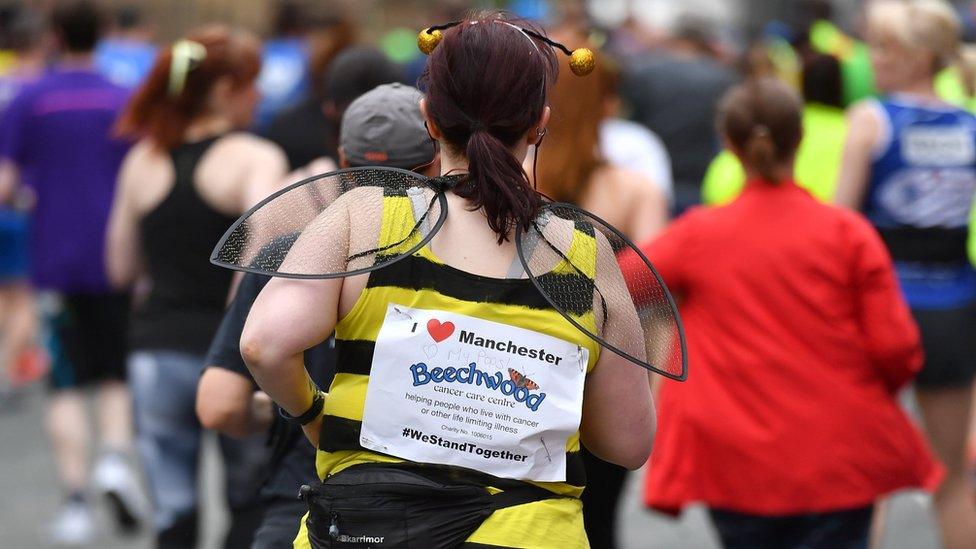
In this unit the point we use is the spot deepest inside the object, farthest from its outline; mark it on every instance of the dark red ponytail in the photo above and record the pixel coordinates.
(156, 113)
(486, 86)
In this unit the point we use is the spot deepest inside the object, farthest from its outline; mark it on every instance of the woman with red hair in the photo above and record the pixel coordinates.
(191, 174)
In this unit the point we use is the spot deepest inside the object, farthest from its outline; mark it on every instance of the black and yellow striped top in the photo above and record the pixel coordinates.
(423, 281)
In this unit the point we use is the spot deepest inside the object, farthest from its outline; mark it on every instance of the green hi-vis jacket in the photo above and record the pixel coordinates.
(817, 161)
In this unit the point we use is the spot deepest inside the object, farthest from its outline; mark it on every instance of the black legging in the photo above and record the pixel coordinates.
(604, 482)
(846, 529)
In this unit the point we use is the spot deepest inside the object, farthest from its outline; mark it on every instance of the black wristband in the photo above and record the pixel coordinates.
(310, 415)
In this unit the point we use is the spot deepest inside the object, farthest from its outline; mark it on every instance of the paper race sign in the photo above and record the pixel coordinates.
(452, 389)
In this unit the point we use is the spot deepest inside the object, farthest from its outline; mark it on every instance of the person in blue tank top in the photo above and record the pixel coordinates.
(910, 165)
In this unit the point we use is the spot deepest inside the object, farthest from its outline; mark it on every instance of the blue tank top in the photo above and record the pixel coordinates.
(919, 197)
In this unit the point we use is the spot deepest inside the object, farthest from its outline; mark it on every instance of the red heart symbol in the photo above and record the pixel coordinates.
(439, 331)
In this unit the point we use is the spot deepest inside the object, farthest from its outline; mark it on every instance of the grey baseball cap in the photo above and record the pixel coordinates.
(384, 127)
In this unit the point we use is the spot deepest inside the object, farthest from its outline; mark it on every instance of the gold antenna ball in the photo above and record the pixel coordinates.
(427, 41)
(582, 61)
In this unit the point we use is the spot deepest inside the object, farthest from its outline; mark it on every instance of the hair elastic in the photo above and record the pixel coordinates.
(187, 55)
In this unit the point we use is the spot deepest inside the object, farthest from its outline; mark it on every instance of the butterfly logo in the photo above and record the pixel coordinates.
(522, 381)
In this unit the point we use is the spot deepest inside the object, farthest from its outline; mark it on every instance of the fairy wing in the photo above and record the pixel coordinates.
(333, 225)
(573, 258)
(358, 220)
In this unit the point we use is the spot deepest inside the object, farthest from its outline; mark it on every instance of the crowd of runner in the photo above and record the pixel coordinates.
(807, 200)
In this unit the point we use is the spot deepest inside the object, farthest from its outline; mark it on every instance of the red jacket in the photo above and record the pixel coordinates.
(798, 340)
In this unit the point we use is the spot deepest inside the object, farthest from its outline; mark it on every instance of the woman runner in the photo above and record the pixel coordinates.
(910, 165)
(190, 175)
(227, 399)
(791, 430)
(571, 168)
(485, 103)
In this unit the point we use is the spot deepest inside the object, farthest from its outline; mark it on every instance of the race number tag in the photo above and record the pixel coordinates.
(452, 389)
(938, 146)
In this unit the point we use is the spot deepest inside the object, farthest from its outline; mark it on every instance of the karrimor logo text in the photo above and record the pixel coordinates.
(360, 539)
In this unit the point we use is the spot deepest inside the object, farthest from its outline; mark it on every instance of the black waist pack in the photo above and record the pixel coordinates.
(384, 505)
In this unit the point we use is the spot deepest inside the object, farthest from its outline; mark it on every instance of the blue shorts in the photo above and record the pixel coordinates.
(13, 245)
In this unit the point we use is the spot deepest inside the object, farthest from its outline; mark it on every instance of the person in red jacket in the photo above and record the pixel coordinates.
(789, 428)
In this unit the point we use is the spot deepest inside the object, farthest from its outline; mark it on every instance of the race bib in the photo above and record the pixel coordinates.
(452, 389)
(938, 147)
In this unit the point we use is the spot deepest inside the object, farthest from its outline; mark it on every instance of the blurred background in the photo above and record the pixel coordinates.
(171, 18)
(719, 43)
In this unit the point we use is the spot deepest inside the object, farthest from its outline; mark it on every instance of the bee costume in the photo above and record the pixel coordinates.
(453, 419)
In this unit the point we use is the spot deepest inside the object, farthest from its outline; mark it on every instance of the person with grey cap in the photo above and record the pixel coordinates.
(383, 127)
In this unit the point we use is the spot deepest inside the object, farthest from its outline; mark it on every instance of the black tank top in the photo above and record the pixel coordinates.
(189, 294)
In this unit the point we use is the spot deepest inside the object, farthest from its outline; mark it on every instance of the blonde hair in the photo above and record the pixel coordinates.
(931, 25)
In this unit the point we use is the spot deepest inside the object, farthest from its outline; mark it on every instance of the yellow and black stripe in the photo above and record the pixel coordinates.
(425, 282)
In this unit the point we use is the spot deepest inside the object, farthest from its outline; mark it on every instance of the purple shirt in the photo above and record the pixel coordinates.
(58, 133)
(10, 86)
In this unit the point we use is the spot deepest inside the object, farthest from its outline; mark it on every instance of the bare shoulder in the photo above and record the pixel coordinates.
(145, 175)
(863, 117)
(144, 151)
(864, 109)
(363, 194)
(144, 158)
(628, 183)
(251, 148)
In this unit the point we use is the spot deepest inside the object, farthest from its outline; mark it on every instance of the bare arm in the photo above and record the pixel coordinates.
(263, 171)
(122, 251)
(618, 422)
(290, 316)
(318, 166)
(9, 179)
(618, 416)
(650, 214)
(864, 131)
(269, 168)
(228, 403)
(11, 147)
